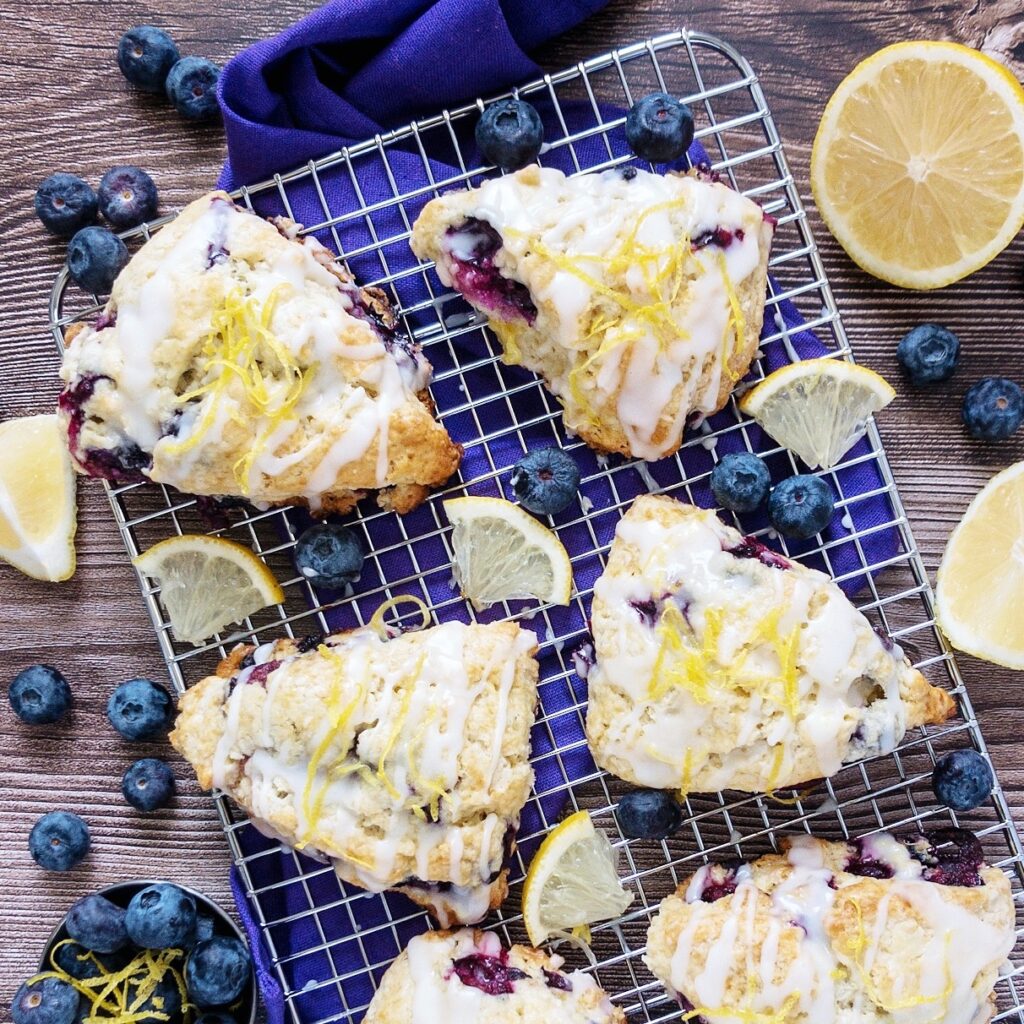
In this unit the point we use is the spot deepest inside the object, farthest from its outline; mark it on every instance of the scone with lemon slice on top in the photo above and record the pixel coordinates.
(638, 297)
(468, 977)
(236, 359)
(403, 760)
(719, 664)
(874, 931)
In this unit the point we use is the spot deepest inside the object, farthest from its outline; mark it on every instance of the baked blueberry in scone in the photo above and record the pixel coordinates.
(467, 977)
(638, 297)
(236, 359)
(720, 664)
(404, 760)
(877, 931)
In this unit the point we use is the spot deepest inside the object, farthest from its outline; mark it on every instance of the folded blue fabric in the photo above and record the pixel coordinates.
(352, 69)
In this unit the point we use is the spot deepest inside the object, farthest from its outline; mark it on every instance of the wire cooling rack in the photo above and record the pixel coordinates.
(330, 944)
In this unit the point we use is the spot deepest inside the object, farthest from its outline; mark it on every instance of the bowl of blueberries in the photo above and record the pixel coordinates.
(151, 952)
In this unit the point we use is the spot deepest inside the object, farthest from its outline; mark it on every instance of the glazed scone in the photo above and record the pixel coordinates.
(404, 761)
(236, 359)
(876, 931)
(466, 977)
(638, 297)
(719, 664)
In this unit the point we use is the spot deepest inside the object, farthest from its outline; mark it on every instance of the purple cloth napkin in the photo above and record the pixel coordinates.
(350, 70)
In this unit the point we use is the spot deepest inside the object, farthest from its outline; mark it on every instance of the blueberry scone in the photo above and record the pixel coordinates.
(467, 977)
(403, 761)
(236, 359)
(638, 297)
(877, 931)
(719, 664)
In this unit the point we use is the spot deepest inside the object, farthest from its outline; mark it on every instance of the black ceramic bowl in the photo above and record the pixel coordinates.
(121, 894)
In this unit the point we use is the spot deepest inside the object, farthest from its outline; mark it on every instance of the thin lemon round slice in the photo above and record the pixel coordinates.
(207, 583)
(979, 596)
(818, 408)
(37, 499)
(918, 163)
(573, 881)
(503, 554)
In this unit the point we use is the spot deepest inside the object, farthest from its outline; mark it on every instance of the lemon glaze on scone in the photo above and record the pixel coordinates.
(719, 664)
(402, 761)
(466, 977)
(638, 297)
(876, 931)
(236, 359)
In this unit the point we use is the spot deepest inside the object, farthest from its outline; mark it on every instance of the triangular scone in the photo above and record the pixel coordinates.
(719, 664)
(236, 359)
(875, 931)
(402, 761)
(638, 297)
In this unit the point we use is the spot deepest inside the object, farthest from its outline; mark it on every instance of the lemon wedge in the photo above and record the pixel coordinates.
(918, 163)
(503, 554)
(818, 408)
(207, 583)
(37, 499)
(979, 596)
(573, 881)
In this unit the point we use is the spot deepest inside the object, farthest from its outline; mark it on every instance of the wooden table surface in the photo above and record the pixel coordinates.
(66, 107)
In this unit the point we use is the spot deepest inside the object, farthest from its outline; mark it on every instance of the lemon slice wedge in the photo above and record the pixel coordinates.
(979, 595)
(207, 583)
(37, 499)
(573, 881)
(503, 554)
(918, 163)
(818, 408)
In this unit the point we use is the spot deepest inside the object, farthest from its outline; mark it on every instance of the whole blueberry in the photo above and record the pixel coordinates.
(510, 134)
(801, 506)
(329, 555)
(39, 695)
(65, 203)
(993, 409)
(98, 924)
(962, 780)
(649, 814)
(928, 353)
(161, 916)
(48, 1001)
(740, 482)
(148, 784)
(659, 128)
(127, 196)
(139, 709)
(145, 54)
(162, 1005)
(82, 964)
(216, 1017)
(217, 971)
(95, 257)
(58, 841)
(192, 88)
(546, 480)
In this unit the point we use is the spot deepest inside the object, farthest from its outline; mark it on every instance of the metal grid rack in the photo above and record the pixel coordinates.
(330, 944)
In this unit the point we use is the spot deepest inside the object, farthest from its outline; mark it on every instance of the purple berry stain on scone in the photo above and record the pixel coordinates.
(490, 974)
(864, 863)
(719, 237)
(646, 610)
(749, 547)
(720, 882)
(584, 658)
(260, 673)
(951, 856)
(555, 979)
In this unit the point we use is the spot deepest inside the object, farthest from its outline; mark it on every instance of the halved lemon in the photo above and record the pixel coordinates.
(979, 595)
(37, 499)
(818, 408)
(207, 583)
(503, 554)
(918, 163)
(573, 881)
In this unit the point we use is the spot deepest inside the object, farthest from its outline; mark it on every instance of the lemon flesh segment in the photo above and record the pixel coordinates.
(37, 499)
(573, 881)
(918, 163)
(819, 408)
(502, 553)
(979, 596)
(207, 583)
